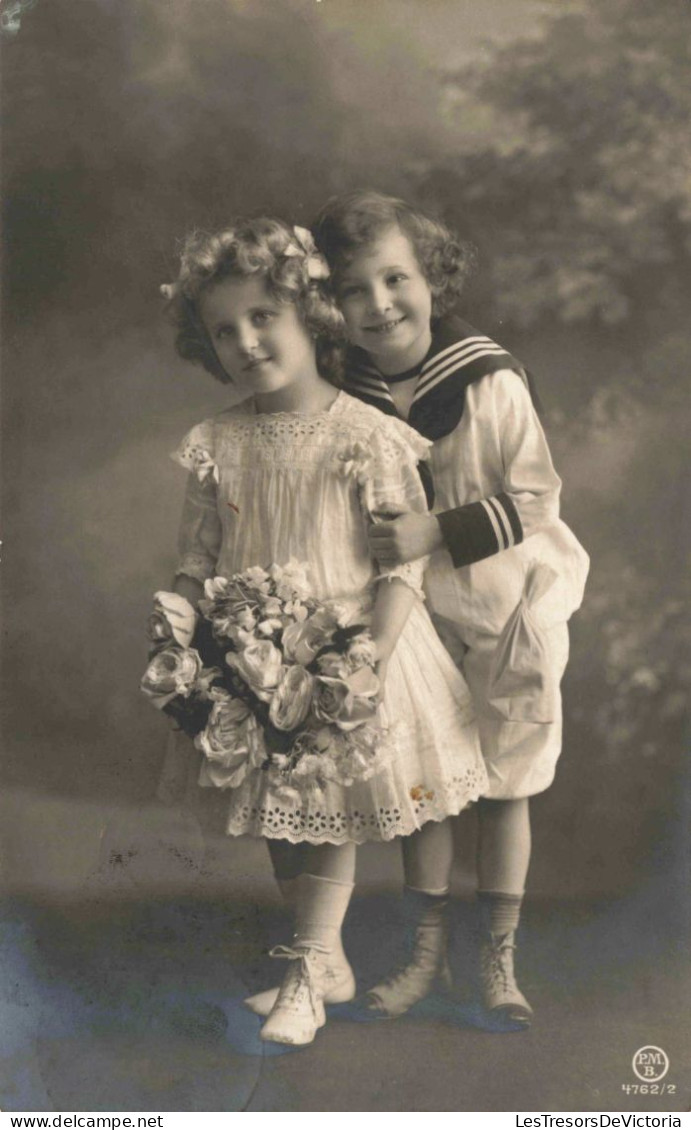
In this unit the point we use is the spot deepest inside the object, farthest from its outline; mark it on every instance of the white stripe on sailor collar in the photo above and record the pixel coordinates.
(457, 352)
(453, 366)
(457, 348)
(436, 369)
(376, 387)
(370, 381)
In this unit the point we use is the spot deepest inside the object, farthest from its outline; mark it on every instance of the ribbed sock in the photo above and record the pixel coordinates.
(499, 912)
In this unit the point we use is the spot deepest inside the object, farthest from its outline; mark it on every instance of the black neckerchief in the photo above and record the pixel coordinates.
(457, 357)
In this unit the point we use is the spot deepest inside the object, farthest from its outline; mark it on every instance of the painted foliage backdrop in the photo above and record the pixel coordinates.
(555, 135)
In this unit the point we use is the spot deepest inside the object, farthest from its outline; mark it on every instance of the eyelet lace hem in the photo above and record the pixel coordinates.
(276, 819)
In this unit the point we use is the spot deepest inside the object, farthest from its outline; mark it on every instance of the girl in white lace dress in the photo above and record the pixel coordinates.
(299, 470)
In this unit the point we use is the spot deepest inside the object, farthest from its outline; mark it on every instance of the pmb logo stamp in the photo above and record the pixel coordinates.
(650, 1063)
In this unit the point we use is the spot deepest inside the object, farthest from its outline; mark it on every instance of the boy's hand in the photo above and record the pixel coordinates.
(405, 539)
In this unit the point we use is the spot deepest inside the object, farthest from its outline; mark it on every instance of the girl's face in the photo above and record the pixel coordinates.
(387, 302)
(260, 342)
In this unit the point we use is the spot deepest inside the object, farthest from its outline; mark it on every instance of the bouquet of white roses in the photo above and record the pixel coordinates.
(269, 678)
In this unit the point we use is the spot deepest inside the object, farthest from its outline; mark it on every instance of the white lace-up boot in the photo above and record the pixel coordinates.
(298, 1012)
(338, 977)
(500, 992)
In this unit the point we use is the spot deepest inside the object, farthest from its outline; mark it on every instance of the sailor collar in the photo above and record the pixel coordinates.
(457, 357)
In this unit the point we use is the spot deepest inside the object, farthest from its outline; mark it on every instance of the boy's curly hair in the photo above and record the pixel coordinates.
(350, 222)
(263, 248)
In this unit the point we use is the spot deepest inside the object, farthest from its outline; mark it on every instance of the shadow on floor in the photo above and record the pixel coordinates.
(126, 1003)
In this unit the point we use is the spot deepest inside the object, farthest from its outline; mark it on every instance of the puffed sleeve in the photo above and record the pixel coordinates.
(199, 541)
(529, 499)
(390, 485)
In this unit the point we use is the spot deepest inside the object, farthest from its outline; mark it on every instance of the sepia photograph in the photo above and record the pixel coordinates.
(346, 651)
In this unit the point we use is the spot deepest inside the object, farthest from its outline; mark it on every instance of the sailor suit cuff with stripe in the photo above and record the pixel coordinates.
(480, 529)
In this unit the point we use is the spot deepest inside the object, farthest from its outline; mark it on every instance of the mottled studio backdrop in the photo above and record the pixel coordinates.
(554, 134)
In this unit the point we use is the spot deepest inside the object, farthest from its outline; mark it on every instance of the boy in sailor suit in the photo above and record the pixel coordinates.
(505, 572)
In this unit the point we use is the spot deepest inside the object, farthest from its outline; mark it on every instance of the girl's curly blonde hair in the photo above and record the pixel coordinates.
(350, 222)
(285, 258)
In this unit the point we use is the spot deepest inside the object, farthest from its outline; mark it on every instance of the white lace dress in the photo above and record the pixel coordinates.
(268, 488)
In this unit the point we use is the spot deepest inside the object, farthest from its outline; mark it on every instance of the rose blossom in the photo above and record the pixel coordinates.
(173, 619)
(223, 739)
(299, 642)
(232, 743)
(159, 629)
(347, 703)
(330, 698)
(303, 640)
(259, 664)
(292, 698)
(172, 671)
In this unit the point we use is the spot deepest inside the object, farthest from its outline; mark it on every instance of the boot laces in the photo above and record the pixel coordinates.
(499, 962)
(305, 981)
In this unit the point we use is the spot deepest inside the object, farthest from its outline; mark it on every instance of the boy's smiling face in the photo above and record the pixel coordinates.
(387, 302)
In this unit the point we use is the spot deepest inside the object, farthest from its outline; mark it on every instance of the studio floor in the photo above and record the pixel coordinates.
(125, 971)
